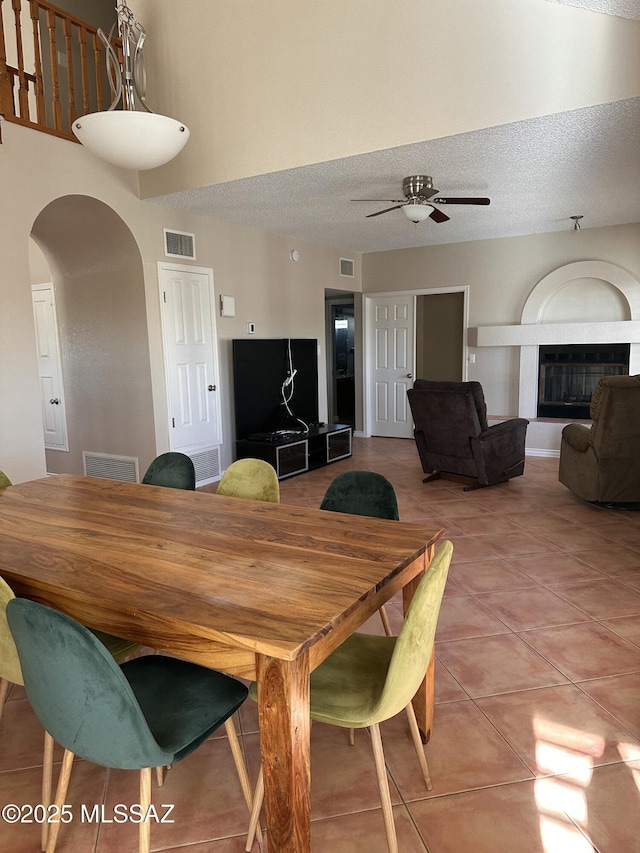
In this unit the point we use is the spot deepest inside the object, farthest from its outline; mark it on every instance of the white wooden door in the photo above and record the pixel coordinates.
(390, 359)
(186, 295)
(54, 421)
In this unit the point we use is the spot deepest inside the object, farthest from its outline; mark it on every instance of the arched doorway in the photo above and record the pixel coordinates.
(96, 270)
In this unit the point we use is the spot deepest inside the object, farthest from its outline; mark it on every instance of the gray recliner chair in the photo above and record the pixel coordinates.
(601, 463)
(454, 440)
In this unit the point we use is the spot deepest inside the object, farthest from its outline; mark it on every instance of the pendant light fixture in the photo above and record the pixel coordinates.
(130, 134)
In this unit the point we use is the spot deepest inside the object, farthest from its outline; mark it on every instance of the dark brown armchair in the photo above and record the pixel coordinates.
(602, 462)
(454, 440)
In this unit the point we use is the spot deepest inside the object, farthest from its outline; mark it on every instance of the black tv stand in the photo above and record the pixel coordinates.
(292, 454)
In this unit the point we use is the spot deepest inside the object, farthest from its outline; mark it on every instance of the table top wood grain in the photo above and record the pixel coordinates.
(260, 577)
(260, 590)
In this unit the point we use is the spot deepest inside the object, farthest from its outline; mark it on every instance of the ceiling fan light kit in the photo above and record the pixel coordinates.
(420, 199)
(417, 211)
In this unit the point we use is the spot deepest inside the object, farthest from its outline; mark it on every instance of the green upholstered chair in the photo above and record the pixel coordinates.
(174, 470)
(148, 712)
(11, 673)
(369, 679)
(363, 493)
(118, 647)
(249, 478)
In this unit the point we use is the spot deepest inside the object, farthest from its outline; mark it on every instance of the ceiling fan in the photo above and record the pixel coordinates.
(419, 200)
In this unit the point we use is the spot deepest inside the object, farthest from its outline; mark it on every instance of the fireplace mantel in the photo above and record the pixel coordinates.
(531, 333)
(536, 334)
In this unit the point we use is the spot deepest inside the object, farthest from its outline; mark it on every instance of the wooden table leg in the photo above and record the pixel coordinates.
(423, 704)
(285, 730)
(423, 700)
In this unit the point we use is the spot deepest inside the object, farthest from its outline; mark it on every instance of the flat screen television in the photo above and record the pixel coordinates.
(275, 384)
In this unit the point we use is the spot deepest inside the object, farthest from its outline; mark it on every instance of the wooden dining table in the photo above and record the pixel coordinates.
(259, 590)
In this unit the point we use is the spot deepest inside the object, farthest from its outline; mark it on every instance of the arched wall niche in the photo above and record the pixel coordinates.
(586, 300)
(607, 274)
(97, 272)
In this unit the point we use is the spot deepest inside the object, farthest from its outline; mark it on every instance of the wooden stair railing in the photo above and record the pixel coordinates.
(59, 73)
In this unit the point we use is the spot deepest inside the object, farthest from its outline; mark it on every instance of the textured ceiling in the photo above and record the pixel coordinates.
(537, 173)
(620, 8)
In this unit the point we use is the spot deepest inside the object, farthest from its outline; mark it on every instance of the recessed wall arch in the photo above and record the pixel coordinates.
(604, 271)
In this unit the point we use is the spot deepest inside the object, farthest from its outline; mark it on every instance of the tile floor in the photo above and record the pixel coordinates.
(536, 744)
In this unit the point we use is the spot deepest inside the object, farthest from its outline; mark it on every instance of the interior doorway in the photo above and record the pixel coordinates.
(390, 369)
(52, 398)
(340, 346)
(440, 324)
(439, 353)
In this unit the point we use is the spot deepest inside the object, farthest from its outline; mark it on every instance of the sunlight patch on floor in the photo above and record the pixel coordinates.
(562, 801)
(631, 752)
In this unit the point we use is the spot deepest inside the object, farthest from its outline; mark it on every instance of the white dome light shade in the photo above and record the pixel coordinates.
(417, 212)
(130, 138)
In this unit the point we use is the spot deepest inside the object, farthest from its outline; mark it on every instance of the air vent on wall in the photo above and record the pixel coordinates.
(110, 467)
(207, 465)
(179, 244)
(346, 267)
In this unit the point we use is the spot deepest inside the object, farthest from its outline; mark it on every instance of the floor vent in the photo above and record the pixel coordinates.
(346, 267)
(207, 465)
(179, 244)
(110, 467)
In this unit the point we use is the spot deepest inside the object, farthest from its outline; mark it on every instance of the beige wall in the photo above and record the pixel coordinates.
(281, 297)
(500, 275)
(271, 86)
(38, 265)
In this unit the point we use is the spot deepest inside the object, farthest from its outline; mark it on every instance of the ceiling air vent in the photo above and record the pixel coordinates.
(346, 267)
(179, 244)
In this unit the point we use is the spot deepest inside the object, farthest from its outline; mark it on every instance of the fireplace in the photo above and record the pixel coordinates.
(569, 373)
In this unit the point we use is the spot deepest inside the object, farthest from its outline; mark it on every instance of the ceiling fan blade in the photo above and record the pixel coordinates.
(427, 193)
(438, 215)
(393, 200)
(461, 200)
(386, 210)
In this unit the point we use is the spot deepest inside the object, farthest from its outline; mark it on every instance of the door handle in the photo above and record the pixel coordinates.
(54, 401)
(409, 375)
(211, 388)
